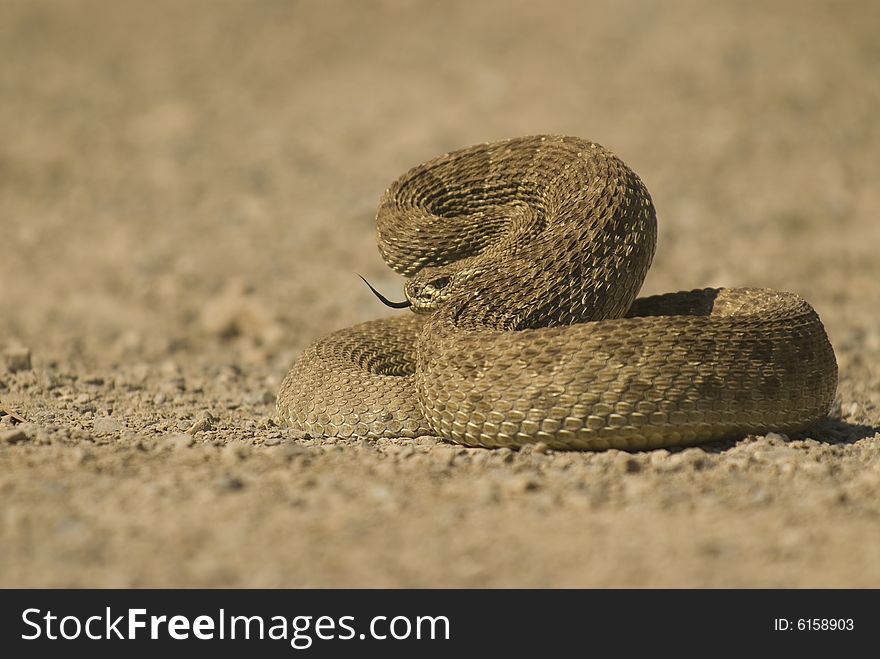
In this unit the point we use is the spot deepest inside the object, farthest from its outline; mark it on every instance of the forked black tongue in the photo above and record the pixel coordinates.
(384, 300)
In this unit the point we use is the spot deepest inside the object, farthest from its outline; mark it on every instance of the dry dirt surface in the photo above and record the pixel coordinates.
(187, 190)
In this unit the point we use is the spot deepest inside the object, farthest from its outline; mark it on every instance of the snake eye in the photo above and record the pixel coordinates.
(436, 285)
(427, 291)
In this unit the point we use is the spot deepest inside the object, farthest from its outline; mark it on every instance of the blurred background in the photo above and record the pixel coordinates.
(176, 174)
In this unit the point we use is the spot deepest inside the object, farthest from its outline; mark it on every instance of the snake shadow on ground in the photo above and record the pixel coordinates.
(832, 432)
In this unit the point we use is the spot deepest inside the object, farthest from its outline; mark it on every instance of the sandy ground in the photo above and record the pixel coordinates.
(187, 190)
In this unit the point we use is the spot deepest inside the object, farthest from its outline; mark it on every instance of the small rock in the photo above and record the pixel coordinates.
(675, 462)
(761, 497)
(17, 359)
(540, 447)
(694, 457)
(49, 381)
(204, 421)
(81, 455)
(178, 440)
(264, 397)
(14, 436)
(159, 398)
(138, 374)
(288, 451)
(502, 455)
(295, 433)
(107, 426)
(519, 484)
(9, 415)
(228, 483)
(129, 436)
(234, 452)
(631, 466)
(658, 457)
(443, 454)
(775, 437)
(174, 385)
(397, 452)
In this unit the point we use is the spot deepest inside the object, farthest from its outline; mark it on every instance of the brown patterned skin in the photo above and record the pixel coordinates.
(524, 259)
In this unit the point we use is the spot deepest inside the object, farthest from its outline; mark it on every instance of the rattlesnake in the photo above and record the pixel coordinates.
(524, 258)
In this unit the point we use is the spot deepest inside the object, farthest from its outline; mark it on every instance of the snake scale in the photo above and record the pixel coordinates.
(523, 261)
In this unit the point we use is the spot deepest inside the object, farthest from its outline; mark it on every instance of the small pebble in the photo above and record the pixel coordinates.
(178, 440)
(204, 421)
(228, 483)
(631, 466)
(17, 359)
(107, 426)
(13, 436)
(443, 454)
(519, 484)
(8, 415)
(234, 452)
(264, 397)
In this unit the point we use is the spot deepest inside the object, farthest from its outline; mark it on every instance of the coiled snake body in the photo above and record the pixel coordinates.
(524, 260)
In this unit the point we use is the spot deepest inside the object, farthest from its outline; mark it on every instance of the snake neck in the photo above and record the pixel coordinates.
(532, 232)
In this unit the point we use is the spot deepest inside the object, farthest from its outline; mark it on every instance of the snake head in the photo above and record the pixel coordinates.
(428, 289)
(432, 287)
